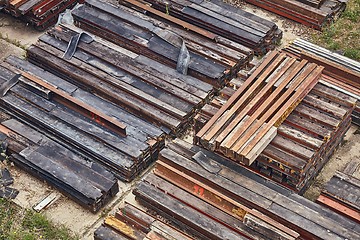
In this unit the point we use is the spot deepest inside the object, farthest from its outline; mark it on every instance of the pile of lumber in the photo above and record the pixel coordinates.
(304, 141)
(342, 193)
(313, 13)
(244, 126)
(219, 19)
(130, 222)
(209, 59)
(342, 73)
(87, 183)
(40, 13)
(79, 119)
(148, 89)
(208, 197)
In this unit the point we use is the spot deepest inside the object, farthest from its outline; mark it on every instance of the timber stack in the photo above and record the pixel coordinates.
(79, 119)
(207, 197)
(342, 193)
(313, 13)
(341, 73)
(219, 19)
(90, 185)
(291, 153)
(40, 13)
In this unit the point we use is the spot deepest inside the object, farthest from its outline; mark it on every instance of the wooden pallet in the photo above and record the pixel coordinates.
(245, 125)
(208, 197)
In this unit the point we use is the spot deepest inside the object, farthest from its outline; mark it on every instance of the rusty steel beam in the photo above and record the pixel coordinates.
(95, 114)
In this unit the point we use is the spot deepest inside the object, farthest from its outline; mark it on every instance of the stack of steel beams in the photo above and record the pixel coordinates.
(211, 60)
(80, 119)
(342, 193)
(87, 183)
(221, 20)
(305, 139)
(244, 126)
(208, 197)
(143, 86)
(40, 13)
(341, 73)
(313, 13)
(131, 222)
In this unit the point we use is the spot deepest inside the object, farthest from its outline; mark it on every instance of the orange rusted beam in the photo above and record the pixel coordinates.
(173, 19)
(235, 96)
(95, 114)
(338, 207)
(287, 108)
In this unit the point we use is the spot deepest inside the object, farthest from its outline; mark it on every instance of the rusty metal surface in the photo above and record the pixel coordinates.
(241, 198)
(305, 139)
(39, 13)
(243, 128)
(219, 20)
(316, 16)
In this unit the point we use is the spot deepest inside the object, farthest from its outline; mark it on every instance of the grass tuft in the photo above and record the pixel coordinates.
(12, 41)
(19, 224)
(344, 34)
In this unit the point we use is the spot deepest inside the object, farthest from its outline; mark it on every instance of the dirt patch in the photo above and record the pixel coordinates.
(7, 49)
(16, 30)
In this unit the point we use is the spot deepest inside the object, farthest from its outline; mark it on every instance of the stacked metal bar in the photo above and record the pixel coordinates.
(40, 13)
(342, 193)
(304, 141)
(245, 125)
(316, 14)
(131, 222)
(209, 197)
(102, 131)
(142, 86)
(209, 60)
(342, 73)
(220, 19)
(89, 184)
